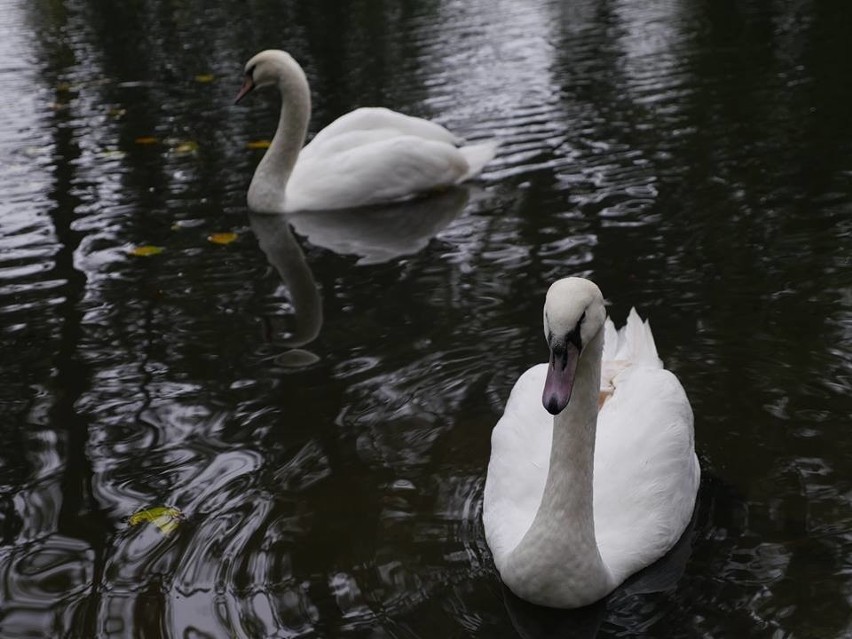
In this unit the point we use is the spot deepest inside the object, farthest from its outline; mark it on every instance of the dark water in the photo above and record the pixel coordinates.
(322, 418)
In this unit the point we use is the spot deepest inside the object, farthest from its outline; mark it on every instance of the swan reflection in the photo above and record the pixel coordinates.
(286, 257)
(380, 234)
(375, 234)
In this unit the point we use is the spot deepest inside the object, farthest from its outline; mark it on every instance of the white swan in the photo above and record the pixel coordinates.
(576, 503)
(369, 156)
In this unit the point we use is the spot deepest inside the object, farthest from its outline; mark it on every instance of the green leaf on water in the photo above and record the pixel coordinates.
(166, 518)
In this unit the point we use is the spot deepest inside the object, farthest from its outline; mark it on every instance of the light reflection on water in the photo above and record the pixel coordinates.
(317, 401)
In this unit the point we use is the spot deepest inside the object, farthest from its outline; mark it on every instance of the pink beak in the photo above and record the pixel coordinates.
(248, 87)
(560, 378)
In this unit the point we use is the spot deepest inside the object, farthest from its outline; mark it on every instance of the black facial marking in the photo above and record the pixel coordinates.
(250, 71)
(573, 336)
(559, 355)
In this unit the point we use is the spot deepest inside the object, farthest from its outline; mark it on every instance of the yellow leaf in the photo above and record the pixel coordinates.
(205, 77)
(146, 251)
(258, 144)
(165, 518)
(222, 238)
(116, 112)
(146, 139)
(186, 147)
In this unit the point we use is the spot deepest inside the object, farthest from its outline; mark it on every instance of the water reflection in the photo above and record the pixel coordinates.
(286, 257)
(381, 234)
(693, 159)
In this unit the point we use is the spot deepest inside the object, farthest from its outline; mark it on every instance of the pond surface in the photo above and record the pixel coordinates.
(317, 401)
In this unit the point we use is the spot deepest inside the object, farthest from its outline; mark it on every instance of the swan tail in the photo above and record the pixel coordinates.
(639, 342)
(633, 343)
(610, 349)
(477, 156)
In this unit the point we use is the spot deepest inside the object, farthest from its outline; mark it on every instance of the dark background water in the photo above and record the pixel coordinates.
(693, 157)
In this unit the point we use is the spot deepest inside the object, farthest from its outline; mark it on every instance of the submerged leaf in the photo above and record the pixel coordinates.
(258, 144)
(222, 238)
(146, 251)
(205, 77)
(166, 518)
(116, 112)
(146, 139)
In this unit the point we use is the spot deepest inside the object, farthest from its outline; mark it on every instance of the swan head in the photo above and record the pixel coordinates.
(269, 68)
(574, 314)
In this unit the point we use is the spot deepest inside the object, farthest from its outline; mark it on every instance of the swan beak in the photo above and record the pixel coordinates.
(248, 87)
(560, 377)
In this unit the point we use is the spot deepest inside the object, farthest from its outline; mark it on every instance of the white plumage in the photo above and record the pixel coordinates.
(621, 483)
(366, 157)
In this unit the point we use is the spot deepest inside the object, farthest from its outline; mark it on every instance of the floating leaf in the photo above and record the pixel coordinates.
(187, 146)
(113, 153)
(205, 77)
(146, 139)
(116, 112)
(222, 238)
(258, 144)
(165, 518)
(179, 225)
(146, 251)
(64, 87)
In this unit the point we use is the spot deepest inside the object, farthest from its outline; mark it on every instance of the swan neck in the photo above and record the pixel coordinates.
(268, 186)
(558, 563)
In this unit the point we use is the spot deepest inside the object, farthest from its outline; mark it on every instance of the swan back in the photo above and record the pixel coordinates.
(367, 119)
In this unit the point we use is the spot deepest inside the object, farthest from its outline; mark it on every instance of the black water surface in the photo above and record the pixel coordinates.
(318, 402)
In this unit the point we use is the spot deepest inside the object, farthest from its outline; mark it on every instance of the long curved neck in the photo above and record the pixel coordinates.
(268, 186)
(558, 563)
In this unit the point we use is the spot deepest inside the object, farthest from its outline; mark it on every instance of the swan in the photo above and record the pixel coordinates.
(368, 156)
(593, 473)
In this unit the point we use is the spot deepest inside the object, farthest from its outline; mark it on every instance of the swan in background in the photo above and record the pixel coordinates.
(593, 473)
(382, 233)
(368, 156)
(285, 256)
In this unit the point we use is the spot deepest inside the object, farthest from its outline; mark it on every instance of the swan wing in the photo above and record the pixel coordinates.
(646, 472)
(517, 471)
(380, 118)
(378, 169)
